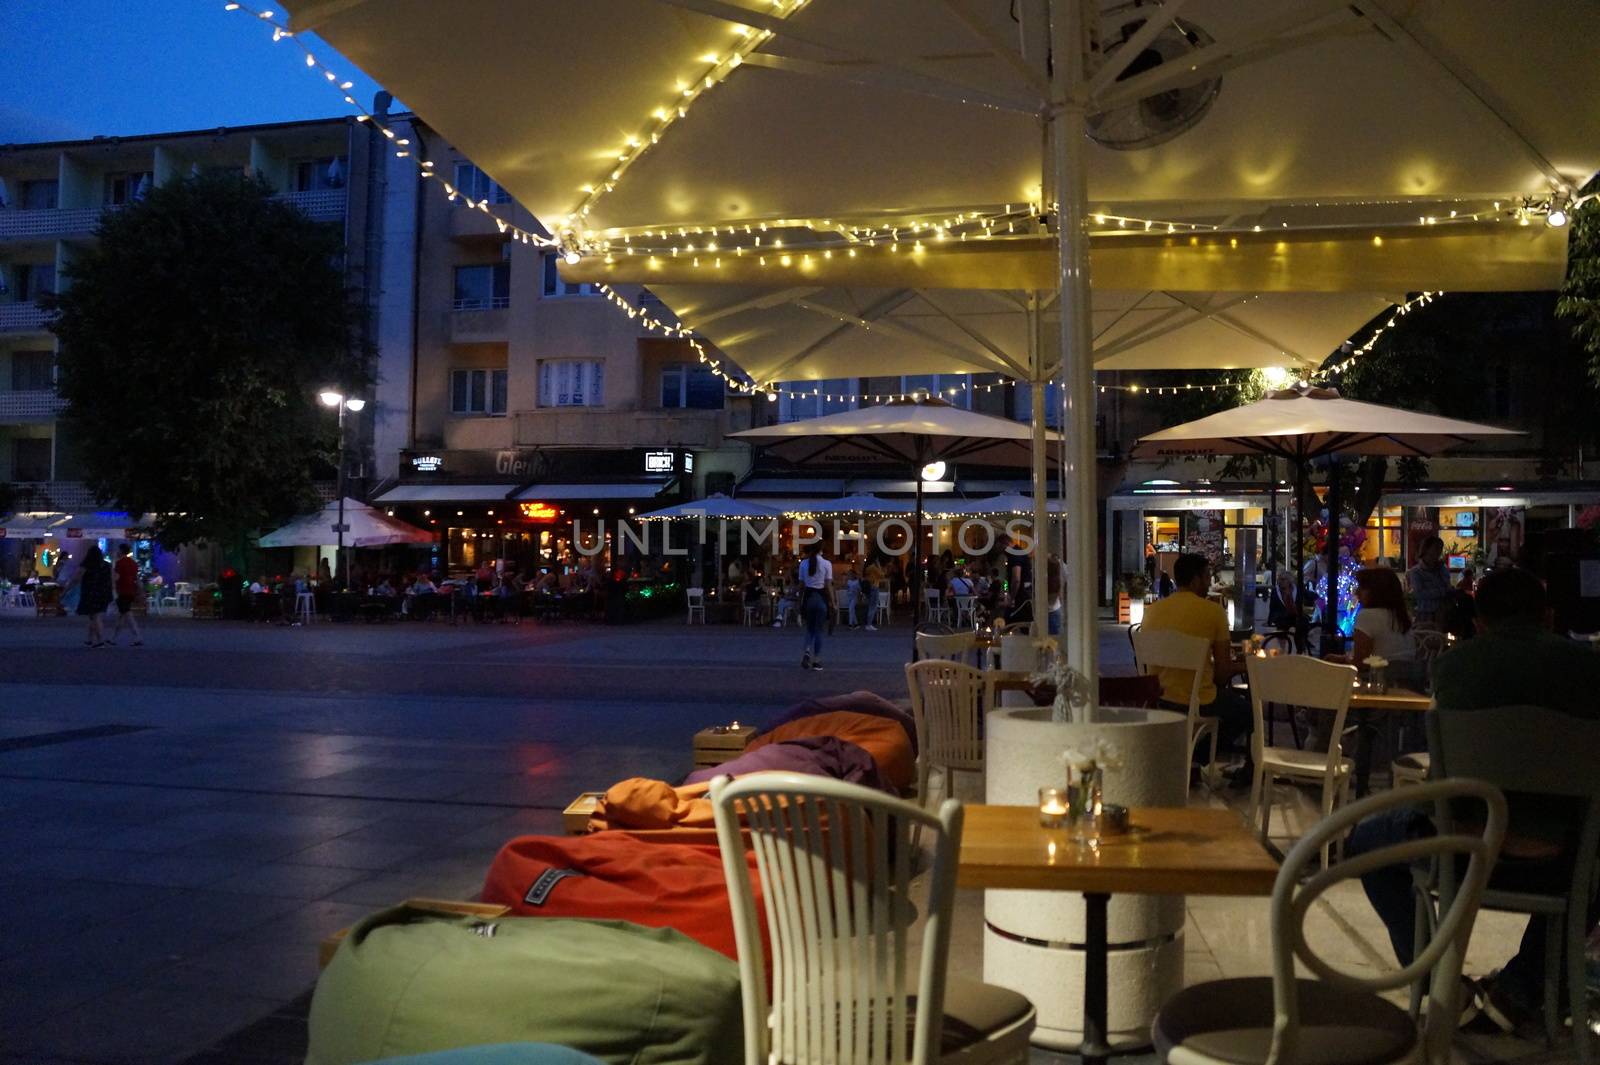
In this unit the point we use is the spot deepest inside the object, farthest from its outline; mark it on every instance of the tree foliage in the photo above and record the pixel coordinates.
(1580, 296)
(194, 337)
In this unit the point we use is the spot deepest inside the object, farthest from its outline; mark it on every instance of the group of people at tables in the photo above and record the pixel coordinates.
(1510, 657)
(493, 589)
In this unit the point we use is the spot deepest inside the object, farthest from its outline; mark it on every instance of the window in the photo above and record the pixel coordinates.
(482, 287)
(476, 185)
(30, 458)
(318, 175)
(571, 383)
(127, 187)
(554, 286)
(817, 398)
(33, 371)
(477, 391)
(1052, 404)
(692, 385)
(34, 280)
(39, 195)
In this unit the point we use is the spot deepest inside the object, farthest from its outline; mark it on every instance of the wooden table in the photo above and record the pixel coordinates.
(1168, 851)
(1391, 699)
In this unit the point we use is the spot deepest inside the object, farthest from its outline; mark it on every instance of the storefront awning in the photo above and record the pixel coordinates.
(611, 490)
(446, 493)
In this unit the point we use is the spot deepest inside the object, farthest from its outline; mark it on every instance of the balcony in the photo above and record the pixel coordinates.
(54, 495)
(48, 223)
(25, 317)
(584, 427)
(471, 322)
(471, 225)
(33, 405)
(320, 205)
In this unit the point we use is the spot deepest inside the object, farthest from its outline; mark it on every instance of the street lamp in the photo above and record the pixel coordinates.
(344, 403)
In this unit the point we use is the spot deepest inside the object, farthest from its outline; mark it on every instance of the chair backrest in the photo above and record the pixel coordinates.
(1440, 960)
(947, 705)
(1298, 680)
(696, 595)
(835, 861)
(1155, 649)
(1530, 750)
(955, 647)
(1282, 642)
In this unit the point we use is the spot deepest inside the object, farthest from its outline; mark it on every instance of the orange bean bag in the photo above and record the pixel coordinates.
(610, 875)
(884, 738)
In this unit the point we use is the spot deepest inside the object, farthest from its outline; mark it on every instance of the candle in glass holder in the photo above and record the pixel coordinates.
(1052, 807)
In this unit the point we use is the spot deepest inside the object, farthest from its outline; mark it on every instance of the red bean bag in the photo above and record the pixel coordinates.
(619, 876)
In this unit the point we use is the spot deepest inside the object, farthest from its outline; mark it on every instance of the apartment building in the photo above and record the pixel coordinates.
(510, 402)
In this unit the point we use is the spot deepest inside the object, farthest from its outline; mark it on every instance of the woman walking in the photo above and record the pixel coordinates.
(94, 593)
(816, 603)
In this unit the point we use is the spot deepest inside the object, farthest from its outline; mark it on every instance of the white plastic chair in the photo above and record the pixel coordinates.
(947, 700)
(835, 862)
(697, 604)
(305, 607)
(1340, 1016)
(959, 647)
(936, 610)
(966, 611)
(1155, 649)
(1299, 681)
(883, 613)
(185, 593)
(756, 612)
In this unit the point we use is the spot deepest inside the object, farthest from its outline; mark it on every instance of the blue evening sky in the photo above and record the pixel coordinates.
(73, 69)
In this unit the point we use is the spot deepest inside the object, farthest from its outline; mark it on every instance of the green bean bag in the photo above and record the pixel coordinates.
(409, 981)
(498, 1054)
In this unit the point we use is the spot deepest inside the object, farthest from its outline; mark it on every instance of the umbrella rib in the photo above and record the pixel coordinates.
(894, 77)
(1005, 360)
(877, 310)
(1227, 321)
(1000, 46)
(760, 303)
(894, 329)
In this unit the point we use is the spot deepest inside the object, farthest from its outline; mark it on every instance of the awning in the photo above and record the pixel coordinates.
(446, 493)
(31, 526)
(611, 490)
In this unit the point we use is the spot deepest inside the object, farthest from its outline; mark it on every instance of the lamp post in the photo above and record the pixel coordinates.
(343, 403)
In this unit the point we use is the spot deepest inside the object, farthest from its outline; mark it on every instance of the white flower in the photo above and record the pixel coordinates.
(1080, 761)
(1099, 754)
(1376, 661)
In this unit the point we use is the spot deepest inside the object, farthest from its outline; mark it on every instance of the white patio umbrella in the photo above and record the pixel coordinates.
(863, 503)
(1302, 424)
(861, 120)
(1004, 503)
(720, 507)
(369, 527)
(915, 433)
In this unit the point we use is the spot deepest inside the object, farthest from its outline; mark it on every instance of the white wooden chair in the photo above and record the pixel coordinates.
(1156, 649)
(835, 862)
(947, 701)
(1341, 1016)
(936, 610)
(1297, 680)
(960, 647)
(696, 598)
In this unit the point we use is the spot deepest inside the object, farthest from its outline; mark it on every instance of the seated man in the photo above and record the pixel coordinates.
(1513, 661)
(1187, 610)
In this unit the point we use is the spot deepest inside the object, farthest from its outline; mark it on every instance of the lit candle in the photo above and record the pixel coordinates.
(1052, 807)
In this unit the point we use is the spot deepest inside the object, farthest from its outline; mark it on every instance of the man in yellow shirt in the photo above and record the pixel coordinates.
(1188, 611)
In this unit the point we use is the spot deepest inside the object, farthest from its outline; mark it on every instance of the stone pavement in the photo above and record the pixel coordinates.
(183, 822)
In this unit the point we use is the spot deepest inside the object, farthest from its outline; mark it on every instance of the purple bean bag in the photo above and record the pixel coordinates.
(823, 756)
(856, 702)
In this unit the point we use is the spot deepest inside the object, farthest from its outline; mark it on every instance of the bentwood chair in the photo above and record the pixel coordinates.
(1340, 1017)
(947, 703)
(1317, 685)
(1536, 752)
(835, 862)
(1157, 649)
(955, 647)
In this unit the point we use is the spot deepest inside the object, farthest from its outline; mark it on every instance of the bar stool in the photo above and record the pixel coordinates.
(305, 608)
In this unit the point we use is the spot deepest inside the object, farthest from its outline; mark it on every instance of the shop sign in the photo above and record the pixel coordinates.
(658, 462)
(516, 463)
(534, 511)
(426, 463)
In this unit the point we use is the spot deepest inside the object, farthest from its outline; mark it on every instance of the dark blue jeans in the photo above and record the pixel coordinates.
(814, 611)
(1389, 889)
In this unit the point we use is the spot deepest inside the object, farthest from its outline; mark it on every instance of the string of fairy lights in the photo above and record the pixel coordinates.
(711, 242)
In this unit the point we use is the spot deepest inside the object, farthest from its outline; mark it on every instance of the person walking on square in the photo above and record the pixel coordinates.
(126, 573)
(94, 593)
(816, 603)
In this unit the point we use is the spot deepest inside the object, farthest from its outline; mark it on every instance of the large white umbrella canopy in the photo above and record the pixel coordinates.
(1304, 424)
(368, 528)
(912, 432)
(865, 503)
(716, 505)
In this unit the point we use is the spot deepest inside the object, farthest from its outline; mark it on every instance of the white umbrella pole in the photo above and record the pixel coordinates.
(1041, 485)
(1068, 146)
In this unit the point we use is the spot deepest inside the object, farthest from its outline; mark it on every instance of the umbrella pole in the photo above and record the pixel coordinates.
(1068, 177)
(916, 566)
(1332, 639)
(1302, 630)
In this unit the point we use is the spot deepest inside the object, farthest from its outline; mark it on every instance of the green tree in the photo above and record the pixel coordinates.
(1580, 296)
(194, 337)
